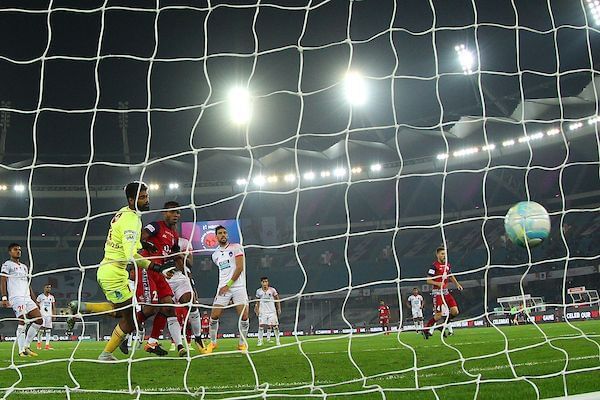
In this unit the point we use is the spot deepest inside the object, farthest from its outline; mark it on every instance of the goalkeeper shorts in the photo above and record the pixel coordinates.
(114, 282)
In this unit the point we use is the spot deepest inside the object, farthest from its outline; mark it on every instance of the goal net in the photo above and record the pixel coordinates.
(345, 141)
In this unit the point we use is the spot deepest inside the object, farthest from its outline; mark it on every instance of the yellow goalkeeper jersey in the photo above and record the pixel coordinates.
(123, 239)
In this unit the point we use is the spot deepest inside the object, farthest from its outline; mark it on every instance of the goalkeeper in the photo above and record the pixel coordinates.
(120, 253)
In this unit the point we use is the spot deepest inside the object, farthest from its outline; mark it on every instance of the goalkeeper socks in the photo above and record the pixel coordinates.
(95, 307)
(160, 321)
(21, 337)
(194, 321)
(213, 329)
(174, 330)
(31, 333)
(115, 339)
(261, 332)
(244, 326)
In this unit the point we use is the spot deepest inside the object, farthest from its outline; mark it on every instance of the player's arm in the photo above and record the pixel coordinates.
(430, 278)
(458, 285)
(257, 307)
(32, 294)
(53, 310)
(277, 303)
(131, 245)
(3, 279)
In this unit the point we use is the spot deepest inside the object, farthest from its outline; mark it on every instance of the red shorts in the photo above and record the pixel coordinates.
(205, 329)
(384, 321)
(145, 291)
(162, 286)
(438, 302)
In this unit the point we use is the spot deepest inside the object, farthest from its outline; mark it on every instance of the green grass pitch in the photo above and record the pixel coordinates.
(386, 362)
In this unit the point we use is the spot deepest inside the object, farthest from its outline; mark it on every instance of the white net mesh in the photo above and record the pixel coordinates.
(468, 108)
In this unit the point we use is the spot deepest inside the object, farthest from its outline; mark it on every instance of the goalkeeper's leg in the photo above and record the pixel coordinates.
(119, 334)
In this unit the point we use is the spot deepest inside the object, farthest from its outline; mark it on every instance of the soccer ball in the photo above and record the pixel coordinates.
(527, 222)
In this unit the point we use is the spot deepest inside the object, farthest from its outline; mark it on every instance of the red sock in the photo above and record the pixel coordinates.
(160, 321)
(430, 323)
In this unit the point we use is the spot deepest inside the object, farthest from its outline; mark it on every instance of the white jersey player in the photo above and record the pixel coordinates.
(268, 308)
(415, 303)
(16, 293)
(229, 258)
(181, 283)
(46, 304)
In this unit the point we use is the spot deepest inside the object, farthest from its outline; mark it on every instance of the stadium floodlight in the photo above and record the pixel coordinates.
(508, 143)
(465, 58)
(309, 176)
(289, 178)
(241, 182)
(376, 167)
(273, 179)
(595, 119)
(575, 125)
(442, 156)
(240, 105)
(339, 172)
(553, 131)
(465, 152)
(173, 185)
(154, 186)
(259, 180)
(355, 88)
(488, 147)
(536, 136)
(594, 6)
(3, 188)
(19, 188)
(356, 170)
(325, 174)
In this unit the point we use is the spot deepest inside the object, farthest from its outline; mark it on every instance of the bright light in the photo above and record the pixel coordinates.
(309, 176)
(466, 58)
(325, 174)
(289, 178)
(490, 146)
(259, 180)
(173, 185)
(442, 156)
(339, 172)
(376, 167)
(594, 6)
(241, 182)
(240, 105)
(273, 179)
(507, 143)
(595, 119)
(19, 188)
(3, 188)
(552, 132)
(465, 152)
(536, 136)
(355, 88)
(356, 170)
(575, 125)
(154, 186)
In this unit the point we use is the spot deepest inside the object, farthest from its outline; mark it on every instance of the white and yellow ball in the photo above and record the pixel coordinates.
(527, 223)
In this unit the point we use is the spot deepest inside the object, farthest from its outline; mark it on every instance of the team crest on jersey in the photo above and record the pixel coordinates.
(230, 254)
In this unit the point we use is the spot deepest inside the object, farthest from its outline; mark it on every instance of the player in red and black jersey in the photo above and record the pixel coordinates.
(438, 276)
(384, 316)
(160, 241)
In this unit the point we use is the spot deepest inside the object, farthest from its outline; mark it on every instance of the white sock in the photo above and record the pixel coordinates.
(21, 337)
(194, 321)
(31, 333)
(276, 332)
(268, 334)
(244, 325)
(129, 339)
(47, 337)
(39, 337)
(213, 329)
(174, 329)
(261, 332)
(450, 329)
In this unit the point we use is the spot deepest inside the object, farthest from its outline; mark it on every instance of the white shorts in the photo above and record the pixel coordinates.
(47, 321)
(22, 305)
(238, 295)
(180, 286)
(417, 313)
(267, 319)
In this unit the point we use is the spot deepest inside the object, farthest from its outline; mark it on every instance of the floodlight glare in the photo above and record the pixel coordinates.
(465, 58)
(19, 188)
(355, 88)
(173, 185)
(154, 186)
(442, 156)
(507, 143)
(325, 174)
(490, 146)
(309, 176)
(376, 167)
(3, 188)
(594, 6)
(273, 179)
(289, 178)
(259, 180)
(241, 182)
(575, 125)
(339, 172)
(240, 105)
(552, 132)
(465, 152)
(356, 170)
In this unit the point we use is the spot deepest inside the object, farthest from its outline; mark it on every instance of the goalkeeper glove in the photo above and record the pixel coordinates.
(168, 265)
(149, 246)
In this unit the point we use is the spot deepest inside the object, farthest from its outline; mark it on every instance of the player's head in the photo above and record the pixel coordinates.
(264, 281)
(47, 288)
(440, 253)
(137, 196)
(381, 302)
(221, 233)
(14, 251)
(415, 291)
(171, 217)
